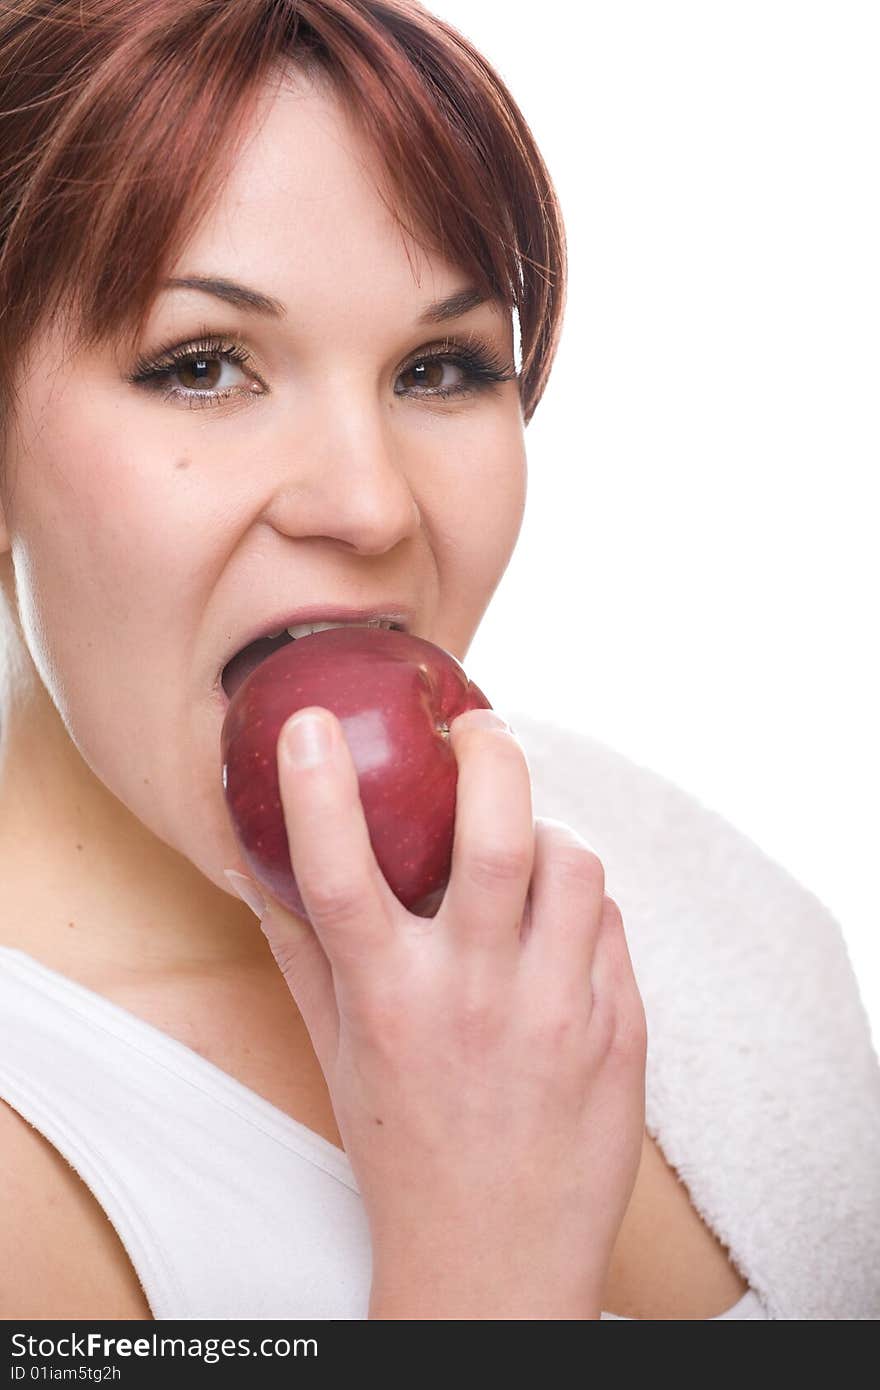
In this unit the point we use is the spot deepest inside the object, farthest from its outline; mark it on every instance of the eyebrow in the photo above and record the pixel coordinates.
(454, 306)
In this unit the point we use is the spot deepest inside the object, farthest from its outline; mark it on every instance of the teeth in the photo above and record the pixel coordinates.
(304, 629)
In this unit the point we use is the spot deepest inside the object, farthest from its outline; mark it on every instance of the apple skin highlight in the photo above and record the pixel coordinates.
(395, 696)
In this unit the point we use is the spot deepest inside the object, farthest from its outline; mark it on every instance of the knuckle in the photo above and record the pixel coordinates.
(558, 830)
(479, 1023)
(602, 1027)
(334, 904)
(579, 866)
(615, 948)
(554, 1032)
(629, 1034)
(574, 860)
(611, 914)
(497, 865)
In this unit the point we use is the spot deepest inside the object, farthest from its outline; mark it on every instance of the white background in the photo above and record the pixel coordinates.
(696, 582)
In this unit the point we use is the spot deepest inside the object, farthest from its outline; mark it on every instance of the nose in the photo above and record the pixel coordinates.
(346, 479)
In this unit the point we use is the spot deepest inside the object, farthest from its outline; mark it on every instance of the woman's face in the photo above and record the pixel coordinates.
(152, 527)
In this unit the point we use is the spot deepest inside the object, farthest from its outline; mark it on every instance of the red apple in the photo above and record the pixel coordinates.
(395, 696)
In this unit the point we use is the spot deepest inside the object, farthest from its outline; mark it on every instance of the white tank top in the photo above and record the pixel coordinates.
(226, 1206)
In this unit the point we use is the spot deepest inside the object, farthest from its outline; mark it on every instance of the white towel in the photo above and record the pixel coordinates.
(763, 1088)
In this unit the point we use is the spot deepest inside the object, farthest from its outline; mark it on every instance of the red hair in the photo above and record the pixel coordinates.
(116, 117)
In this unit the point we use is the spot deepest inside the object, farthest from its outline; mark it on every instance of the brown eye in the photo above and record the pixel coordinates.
(200, 371)
(428, 374)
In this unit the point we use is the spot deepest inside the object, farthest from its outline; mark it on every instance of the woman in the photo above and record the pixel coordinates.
(248, 209)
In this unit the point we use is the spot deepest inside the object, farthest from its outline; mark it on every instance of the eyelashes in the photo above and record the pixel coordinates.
(482, 369)
(155, 373)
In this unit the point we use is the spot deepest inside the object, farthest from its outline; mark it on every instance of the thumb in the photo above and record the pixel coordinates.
(302, 961)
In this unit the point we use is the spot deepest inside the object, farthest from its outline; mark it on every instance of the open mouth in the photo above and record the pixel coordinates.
(236, 671)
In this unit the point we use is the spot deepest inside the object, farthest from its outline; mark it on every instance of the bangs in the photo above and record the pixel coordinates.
(128, 116)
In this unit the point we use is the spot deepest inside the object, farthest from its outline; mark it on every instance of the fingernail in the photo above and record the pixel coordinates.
(487, 719)
(306, 740)
(247, 890)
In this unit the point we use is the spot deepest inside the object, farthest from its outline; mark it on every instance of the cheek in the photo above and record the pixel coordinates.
(480, 503)
(91, 544)
(472, 513)
(108, 576)
(120, 538)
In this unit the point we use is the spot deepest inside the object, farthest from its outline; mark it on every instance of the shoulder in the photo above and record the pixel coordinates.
(59, 1255)
(762, 1084)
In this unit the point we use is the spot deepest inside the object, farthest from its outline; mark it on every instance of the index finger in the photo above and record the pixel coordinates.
(346, 896)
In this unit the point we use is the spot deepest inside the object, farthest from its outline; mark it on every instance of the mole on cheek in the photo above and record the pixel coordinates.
(183, 463)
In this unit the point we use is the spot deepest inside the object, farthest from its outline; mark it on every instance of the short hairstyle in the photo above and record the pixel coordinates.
(116, 116)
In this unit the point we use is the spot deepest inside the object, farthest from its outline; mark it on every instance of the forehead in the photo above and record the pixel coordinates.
(301, 206)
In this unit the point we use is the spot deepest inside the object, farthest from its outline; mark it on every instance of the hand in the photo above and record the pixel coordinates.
(486, 1066)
